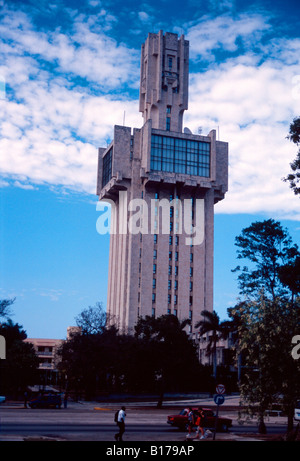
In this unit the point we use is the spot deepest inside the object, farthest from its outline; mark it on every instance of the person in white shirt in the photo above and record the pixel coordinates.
(121, 424)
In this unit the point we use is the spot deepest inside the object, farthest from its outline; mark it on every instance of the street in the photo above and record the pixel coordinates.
(89, 422)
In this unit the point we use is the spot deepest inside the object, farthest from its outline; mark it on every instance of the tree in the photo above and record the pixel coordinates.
(172, 354)
(92, 320)
(5, 304)
(289, 275)
(211, 323)
(20, 366)
(266, 329)
(267, 246)
(294, 177)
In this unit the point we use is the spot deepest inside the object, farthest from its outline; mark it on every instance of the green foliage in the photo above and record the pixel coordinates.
(19, 368)
(5, 310)
(267, 246)
(266, 328)
(294, 177)
(158, 356)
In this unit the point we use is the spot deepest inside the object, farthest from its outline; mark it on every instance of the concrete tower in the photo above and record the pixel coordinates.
(162, 185)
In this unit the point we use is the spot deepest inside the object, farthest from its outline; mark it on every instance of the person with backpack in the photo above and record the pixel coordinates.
(120, 420)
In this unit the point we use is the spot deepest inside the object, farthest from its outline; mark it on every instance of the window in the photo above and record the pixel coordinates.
(191, 257)
(176, 270)
(176, 285)
(170, 62)
(153, 312)
(169, 284)
(191, 286)
(191, 272)
(154, 284)
(175, 299)
(169, 299)
(191, 300)
(170, 270)
(170, 240)
(177, 240)
(169, 109)
(168, 124)
(153, 298)
(155, 238)
(154, 254)
(170, 255)
(179, 155)
(106, 167)
(154, 268)
(176, 255)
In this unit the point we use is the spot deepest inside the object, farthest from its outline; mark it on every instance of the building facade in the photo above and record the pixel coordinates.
(162, 183)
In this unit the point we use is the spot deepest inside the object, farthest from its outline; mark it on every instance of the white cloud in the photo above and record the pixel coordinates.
(223, 32)
(251, 106)
(52, 124)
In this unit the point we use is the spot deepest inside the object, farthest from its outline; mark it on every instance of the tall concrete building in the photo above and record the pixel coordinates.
(162, 183)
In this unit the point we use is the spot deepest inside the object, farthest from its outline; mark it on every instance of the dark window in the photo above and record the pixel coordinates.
(106, 167)
(168, 124)
(178, 155)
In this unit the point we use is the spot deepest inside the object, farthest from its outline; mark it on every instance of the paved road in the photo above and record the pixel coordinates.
(85, 423)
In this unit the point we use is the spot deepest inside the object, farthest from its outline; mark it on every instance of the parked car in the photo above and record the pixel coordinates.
(297, 411)
(46, 401)
(180, 420)
(2, 398)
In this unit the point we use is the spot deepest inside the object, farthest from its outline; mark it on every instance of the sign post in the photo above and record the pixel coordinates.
(219, 400)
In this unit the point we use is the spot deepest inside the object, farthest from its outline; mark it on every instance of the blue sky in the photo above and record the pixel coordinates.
(69, 70)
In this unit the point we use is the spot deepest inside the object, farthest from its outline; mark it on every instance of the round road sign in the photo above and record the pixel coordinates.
(219, 399)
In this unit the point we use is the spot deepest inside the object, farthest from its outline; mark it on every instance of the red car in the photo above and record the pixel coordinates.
(181, 420)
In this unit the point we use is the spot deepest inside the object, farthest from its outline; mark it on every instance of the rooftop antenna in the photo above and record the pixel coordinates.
(124, 118)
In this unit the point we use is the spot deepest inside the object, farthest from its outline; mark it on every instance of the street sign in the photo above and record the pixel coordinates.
(220, 389)
(219, 399)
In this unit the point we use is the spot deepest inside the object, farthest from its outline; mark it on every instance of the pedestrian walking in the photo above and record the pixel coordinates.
(121, 424)
(200, 424)
(191, 421)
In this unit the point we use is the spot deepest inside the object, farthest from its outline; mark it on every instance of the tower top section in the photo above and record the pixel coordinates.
(164, 80)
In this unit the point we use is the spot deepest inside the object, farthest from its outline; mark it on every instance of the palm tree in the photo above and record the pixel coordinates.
(211, 323)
